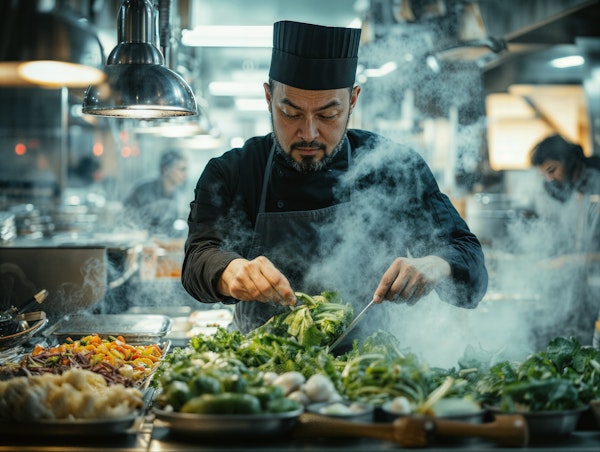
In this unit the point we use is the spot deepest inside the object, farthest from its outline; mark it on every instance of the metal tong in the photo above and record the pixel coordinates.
(350, 327)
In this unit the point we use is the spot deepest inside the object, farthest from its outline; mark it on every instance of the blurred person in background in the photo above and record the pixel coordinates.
(572, 181)
(314, 194)
(155, 204)
(566, 169)
(86, 172)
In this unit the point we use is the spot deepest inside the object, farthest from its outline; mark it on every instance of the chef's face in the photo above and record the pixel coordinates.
(309, 124)
(553, 171)
(177, 173)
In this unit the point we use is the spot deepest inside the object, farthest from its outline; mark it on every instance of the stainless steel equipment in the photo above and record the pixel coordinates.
(75, 277)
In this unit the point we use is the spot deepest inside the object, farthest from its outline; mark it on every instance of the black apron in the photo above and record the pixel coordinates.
(290, 240)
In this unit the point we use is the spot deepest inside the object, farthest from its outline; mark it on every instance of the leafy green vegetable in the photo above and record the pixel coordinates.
(377, 371)
(315, 321)
(204, 381)
(566, 375)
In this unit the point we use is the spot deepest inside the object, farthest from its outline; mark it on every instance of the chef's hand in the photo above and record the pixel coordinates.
(407, 280)
(256, 280)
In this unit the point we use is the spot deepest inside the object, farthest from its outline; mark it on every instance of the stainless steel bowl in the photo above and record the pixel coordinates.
(344, 410)
(595, 406)
(549, 425)
(465, 412)
(221, 425)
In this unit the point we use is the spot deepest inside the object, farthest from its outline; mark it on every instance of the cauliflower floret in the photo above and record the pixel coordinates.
(76, 394)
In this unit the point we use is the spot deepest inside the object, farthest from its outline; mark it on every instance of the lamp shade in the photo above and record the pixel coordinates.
(49, 48)
(138, 84)
(140, 91)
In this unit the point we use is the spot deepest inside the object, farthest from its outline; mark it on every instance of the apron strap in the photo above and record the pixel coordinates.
(266, 177)
(263, 192)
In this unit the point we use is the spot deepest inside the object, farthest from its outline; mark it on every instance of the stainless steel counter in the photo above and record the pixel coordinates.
(150, 437)
(162, 441)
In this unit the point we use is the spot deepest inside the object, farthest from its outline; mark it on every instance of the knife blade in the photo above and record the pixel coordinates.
(351, 326)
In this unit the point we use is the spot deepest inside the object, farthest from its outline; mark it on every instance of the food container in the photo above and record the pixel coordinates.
(68, 428)
(133, 327)
(449, 408)
(549, 425)
(595, 407)
(344, 409)
(221, 425)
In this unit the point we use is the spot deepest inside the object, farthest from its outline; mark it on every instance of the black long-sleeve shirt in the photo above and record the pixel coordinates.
(411, 215)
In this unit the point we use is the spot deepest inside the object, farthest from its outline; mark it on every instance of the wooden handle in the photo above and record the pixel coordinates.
(317, 425)
(408, 431)
(505, 430)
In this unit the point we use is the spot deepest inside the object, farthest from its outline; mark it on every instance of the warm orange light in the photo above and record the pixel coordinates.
(20, 149)
(98, 149)
(126, 151)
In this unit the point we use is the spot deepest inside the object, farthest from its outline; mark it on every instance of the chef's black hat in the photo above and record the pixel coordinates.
(314, 57)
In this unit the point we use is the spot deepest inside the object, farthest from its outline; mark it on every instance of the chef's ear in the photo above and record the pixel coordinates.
(354, 96)
(268, 93)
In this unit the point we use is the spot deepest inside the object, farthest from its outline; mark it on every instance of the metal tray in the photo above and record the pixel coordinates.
(217, 425)
(135, 328)
(66, 427)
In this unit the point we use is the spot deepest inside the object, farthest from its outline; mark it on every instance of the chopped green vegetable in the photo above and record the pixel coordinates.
(315, 321)
(224, 403)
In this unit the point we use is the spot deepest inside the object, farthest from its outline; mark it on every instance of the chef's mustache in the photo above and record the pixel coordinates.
(306, 144)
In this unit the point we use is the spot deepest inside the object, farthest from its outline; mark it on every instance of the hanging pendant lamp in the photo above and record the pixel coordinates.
(53, 48)
(138, 83)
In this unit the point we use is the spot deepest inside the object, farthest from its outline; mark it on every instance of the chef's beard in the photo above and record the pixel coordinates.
(308, 164)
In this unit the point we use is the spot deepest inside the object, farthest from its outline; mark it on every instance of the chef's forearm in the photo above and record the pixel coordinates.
(201, 271)
(468, 276)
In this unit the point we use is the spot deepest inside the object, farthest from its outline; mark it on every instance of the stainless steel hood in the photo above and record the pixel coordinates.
(537, 32)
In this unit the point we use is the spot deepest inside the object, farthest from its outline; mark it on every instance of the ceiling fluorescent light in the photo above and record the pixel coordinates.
(381, 71)
(228, 36)
(227, 88)
(568, 61)
(245, 104)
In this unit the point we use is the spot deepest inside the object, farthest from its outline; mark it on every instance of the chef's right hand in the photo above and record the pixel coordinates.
(256, 280)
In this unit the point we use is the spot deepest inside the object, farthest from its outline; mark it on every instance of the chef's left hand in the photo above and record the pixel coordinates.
(409, 279)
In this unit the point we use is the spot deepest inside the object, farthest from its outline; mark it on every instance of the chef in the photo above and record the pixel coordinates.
(573, 180)
(317, 206)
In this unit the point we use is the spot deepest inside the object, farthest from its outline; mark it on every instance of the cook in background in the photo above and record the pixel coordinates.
(266, 214)
(86, 184)
(155, 204)
(572, 180)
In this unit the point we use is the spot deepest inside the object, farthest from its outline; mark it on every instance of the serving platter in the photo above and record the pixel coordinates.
(71, 427)
(217, 425)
